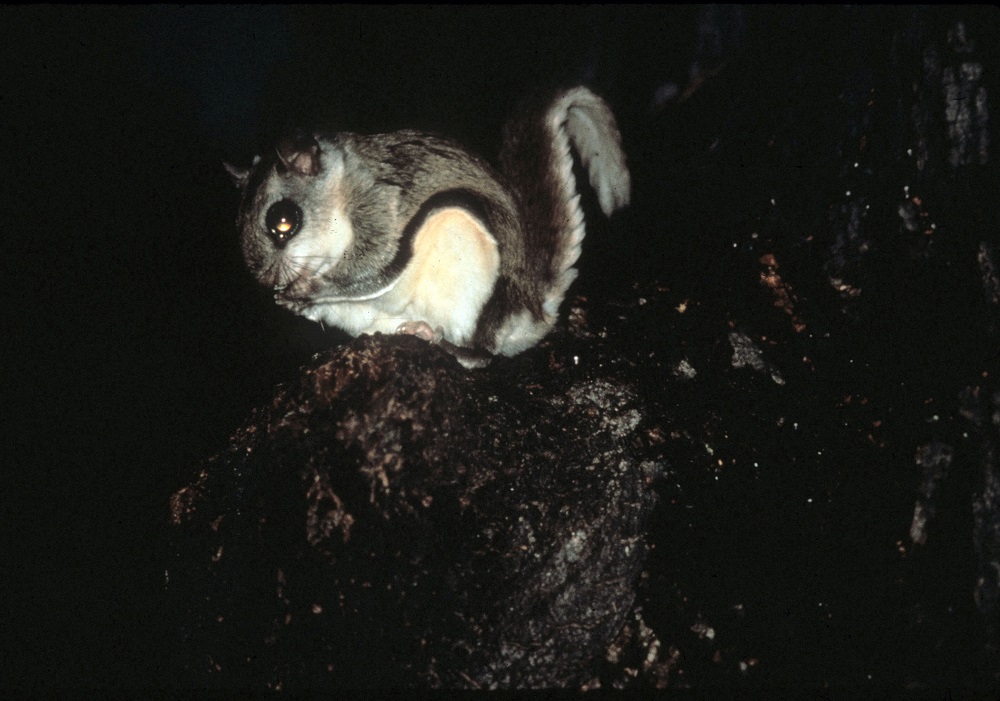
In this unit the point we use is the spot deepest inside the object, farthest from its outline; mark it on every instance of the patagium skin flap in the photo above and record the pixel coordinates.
(410, 233)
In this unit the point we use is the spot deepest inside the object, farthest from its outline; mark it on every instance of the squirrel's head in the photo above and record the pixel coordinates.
(295, 222)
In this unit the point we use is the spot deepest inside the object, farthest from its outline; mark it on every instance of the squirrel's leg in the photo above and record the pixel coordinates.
(468, 357)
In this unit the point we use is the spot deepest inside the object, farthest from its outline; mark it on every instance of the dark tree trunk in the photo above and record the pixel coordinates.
(392, 520)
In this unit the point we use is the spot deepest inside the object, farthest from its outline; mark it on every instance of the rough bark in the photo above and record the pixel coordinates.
(390, 519)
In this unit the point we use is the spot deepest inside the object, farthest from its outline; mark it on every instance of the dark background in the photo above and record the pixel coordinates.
(134, 341)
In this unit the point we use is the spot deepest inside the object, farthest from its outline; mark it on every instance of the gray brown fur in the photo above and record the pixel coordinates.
(391, 181)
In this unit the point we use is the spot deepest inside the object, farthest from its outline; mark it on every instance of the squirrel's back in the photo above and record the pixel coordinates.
(537, 160)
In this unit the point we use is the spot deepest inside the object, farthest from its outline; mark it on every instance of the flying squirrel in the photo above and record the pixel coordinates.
(410, 233)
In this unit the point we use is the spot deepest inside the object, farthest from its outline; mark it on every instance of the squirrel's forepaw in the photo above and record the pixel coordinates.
(421, 329)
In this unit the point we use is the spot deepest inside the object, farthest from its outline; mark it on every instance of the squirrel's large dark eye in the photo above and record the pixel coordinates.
(283, 221)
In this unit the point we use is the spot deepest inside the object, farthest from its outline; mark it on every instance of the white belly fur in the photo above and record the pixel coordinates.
(450, 277)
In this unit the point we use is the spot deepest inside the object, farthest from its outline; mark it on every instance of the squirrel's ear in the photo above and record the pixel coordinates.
(239, 176)
(299, 152)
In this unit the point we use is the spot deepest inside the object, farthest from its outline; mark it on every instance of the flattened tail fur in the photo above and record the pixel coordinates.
(538, 159)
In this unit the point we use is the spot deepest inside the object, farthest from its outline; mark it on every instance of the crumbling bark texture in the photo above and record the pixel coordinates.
(390, 520)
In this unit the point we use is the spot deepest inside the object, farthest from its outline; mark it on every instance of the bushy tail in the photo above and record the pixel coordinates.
(538, 160)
